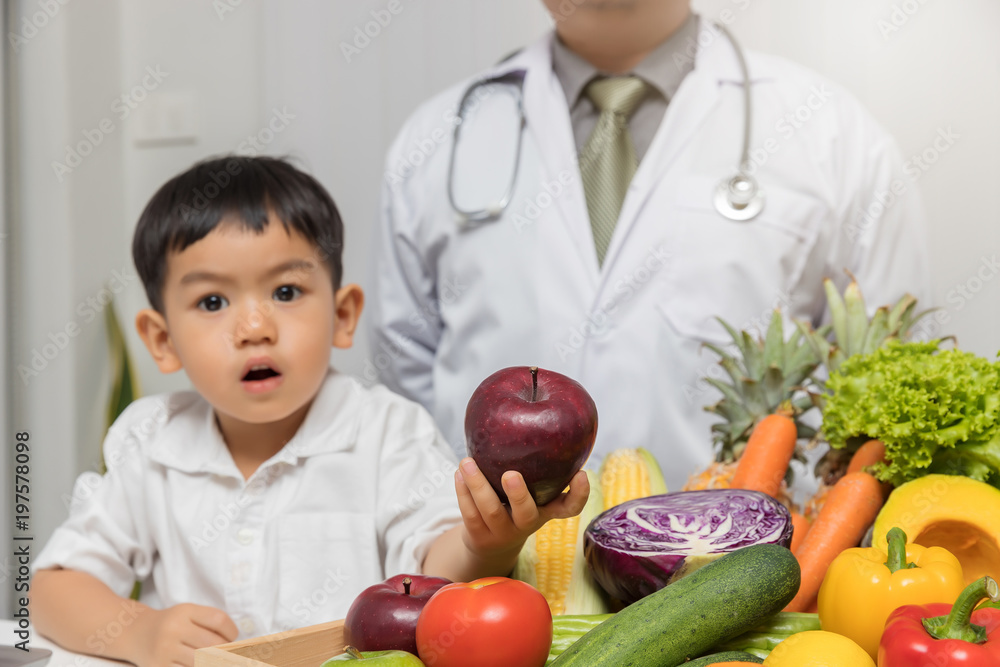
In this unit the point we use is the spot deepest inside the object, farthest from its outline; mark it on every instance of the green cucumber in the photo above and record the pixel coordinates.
(728, 656)
(690, 617)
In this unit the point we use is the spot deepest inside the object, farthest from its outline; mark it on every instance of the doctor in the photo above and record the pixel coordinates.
(589, 241)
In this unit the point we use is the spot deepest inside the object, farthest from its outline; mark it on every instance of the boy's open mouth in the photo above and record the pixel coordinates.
(260, 372)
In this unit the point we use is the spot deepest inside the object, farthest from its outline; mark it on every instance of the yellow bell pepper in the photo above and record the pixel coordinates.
(818, 648)
(864, 585)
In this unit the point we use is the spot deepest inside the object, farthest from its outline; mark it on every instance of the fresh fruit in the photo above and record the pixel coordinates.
(627, 474)
(540, 423)
(384, 616)
(817, 648)
(552, 561)
(489, 622)
(688, 618)
(950, 511)
(376, 658)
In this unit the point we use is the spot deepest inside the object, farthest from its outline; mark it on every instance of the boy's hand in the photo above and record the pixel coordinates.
(170, 636)
(491, 530)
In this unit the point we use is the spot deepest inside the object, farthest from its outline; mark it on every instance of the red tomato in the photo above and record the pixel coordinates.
(489, 622)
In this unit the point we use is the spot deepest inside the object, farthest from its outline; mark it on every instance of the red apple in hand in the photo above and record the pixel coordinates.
(384, 617)
(537, 422)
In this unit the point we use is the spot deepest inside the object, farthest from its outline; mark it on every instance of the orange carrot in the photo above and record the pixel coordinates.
(800, 526)
(765, 458)
(868, 454)
(850, 508)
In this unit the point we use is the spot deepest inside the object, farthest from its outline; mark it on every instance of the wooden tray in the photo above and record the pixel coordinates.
(305, 647)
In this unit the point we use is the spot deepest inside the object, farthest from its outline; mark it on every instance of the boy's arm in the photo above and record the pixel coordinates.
(80, 613)
(491, 536)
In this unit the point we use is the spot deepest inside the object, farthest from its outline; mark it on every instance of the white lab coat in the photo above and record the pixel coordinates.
(449, 306)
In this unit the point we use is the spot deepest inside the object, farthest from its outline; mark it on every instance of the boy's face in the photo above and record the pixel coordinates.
(251, 318)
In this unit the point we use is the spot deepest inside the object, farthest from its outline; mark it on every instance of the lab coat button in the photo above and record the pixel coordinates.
(247, 626)
(244, 536)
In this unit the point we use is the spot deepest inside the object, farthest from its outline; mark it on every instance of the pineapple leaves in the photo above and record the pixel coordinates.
(765, 373)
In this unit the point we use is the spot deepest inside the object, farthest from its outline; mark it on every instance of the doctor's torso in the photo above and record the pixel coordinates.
(526, 289)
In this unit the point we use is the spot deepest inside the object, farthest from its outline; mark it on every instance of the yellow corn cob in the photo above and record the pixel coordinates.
(552, 561)
(557, 539)
(627, 474)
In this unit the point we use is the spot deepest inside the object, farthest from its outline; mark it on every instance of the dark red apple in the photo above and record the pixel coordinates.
(384, 616)
(537, 422)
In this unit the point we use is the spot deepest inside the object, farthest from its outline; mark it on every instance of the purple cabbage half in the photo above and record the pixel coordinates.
(640, 546)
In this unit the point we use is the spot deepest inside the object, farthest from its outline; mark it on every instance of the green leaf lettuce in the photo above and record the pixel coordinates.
(936, 411)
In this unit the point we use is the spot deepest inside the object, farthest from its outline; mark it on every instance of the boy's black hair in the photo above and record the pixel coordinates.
(239, 189)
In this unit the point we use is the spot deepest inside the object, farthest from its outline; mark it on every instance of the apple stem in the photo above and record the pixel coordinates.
(406, 585)
(353, 652)
(534, 383)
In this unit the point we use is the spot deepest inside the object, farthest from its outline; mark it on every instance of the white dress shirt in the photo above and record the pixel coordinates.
(357, 495)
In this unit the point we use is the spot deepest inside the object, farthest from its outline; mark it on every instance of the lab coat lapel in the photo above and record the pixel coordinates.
(697, 97)
(548, 122)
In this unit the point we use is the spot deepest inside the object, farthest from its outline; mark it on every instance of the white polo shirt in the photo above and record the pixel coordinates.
(357, 495)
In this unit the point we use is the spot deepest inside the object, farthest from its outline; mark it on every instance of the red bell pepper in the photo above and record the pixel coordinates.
(942, 634)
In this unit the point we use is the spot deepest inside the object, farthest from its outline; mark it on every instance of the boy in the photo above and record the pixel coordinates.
(272, 495)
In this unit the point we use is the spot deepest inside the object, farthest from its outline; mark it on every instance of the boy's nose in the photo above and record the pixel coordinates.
(256, 324)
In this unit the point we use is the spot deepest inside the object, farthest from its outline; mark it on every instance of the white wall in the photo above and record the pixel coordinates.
(940, 69)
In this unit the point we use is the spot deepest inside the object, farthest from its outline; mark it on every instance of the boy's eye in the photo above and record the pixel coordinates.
(287, 293)
(213, 302)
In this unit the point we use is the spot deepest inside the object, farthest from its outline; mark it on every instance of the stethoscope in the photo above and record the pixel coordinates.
(736, 198)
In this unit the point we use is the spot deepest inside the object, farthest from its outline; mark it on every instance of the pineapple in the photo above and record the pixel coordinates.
(854, 333)
(765, 376)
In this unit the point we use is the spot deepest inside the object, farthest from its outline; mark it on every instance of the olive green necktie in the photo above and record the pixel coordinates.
(608, 161)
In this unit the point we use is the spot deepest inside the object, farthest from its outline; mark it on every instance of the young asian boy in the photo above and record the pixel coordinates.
(277, 490)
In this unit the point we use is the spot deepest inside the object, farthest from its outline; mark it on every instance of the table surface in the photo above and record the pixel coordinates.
(60, 657)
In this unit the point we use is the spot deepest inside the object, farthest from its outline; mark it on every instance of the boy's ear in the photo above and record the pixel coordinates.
(349, 302)
(152, 328)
